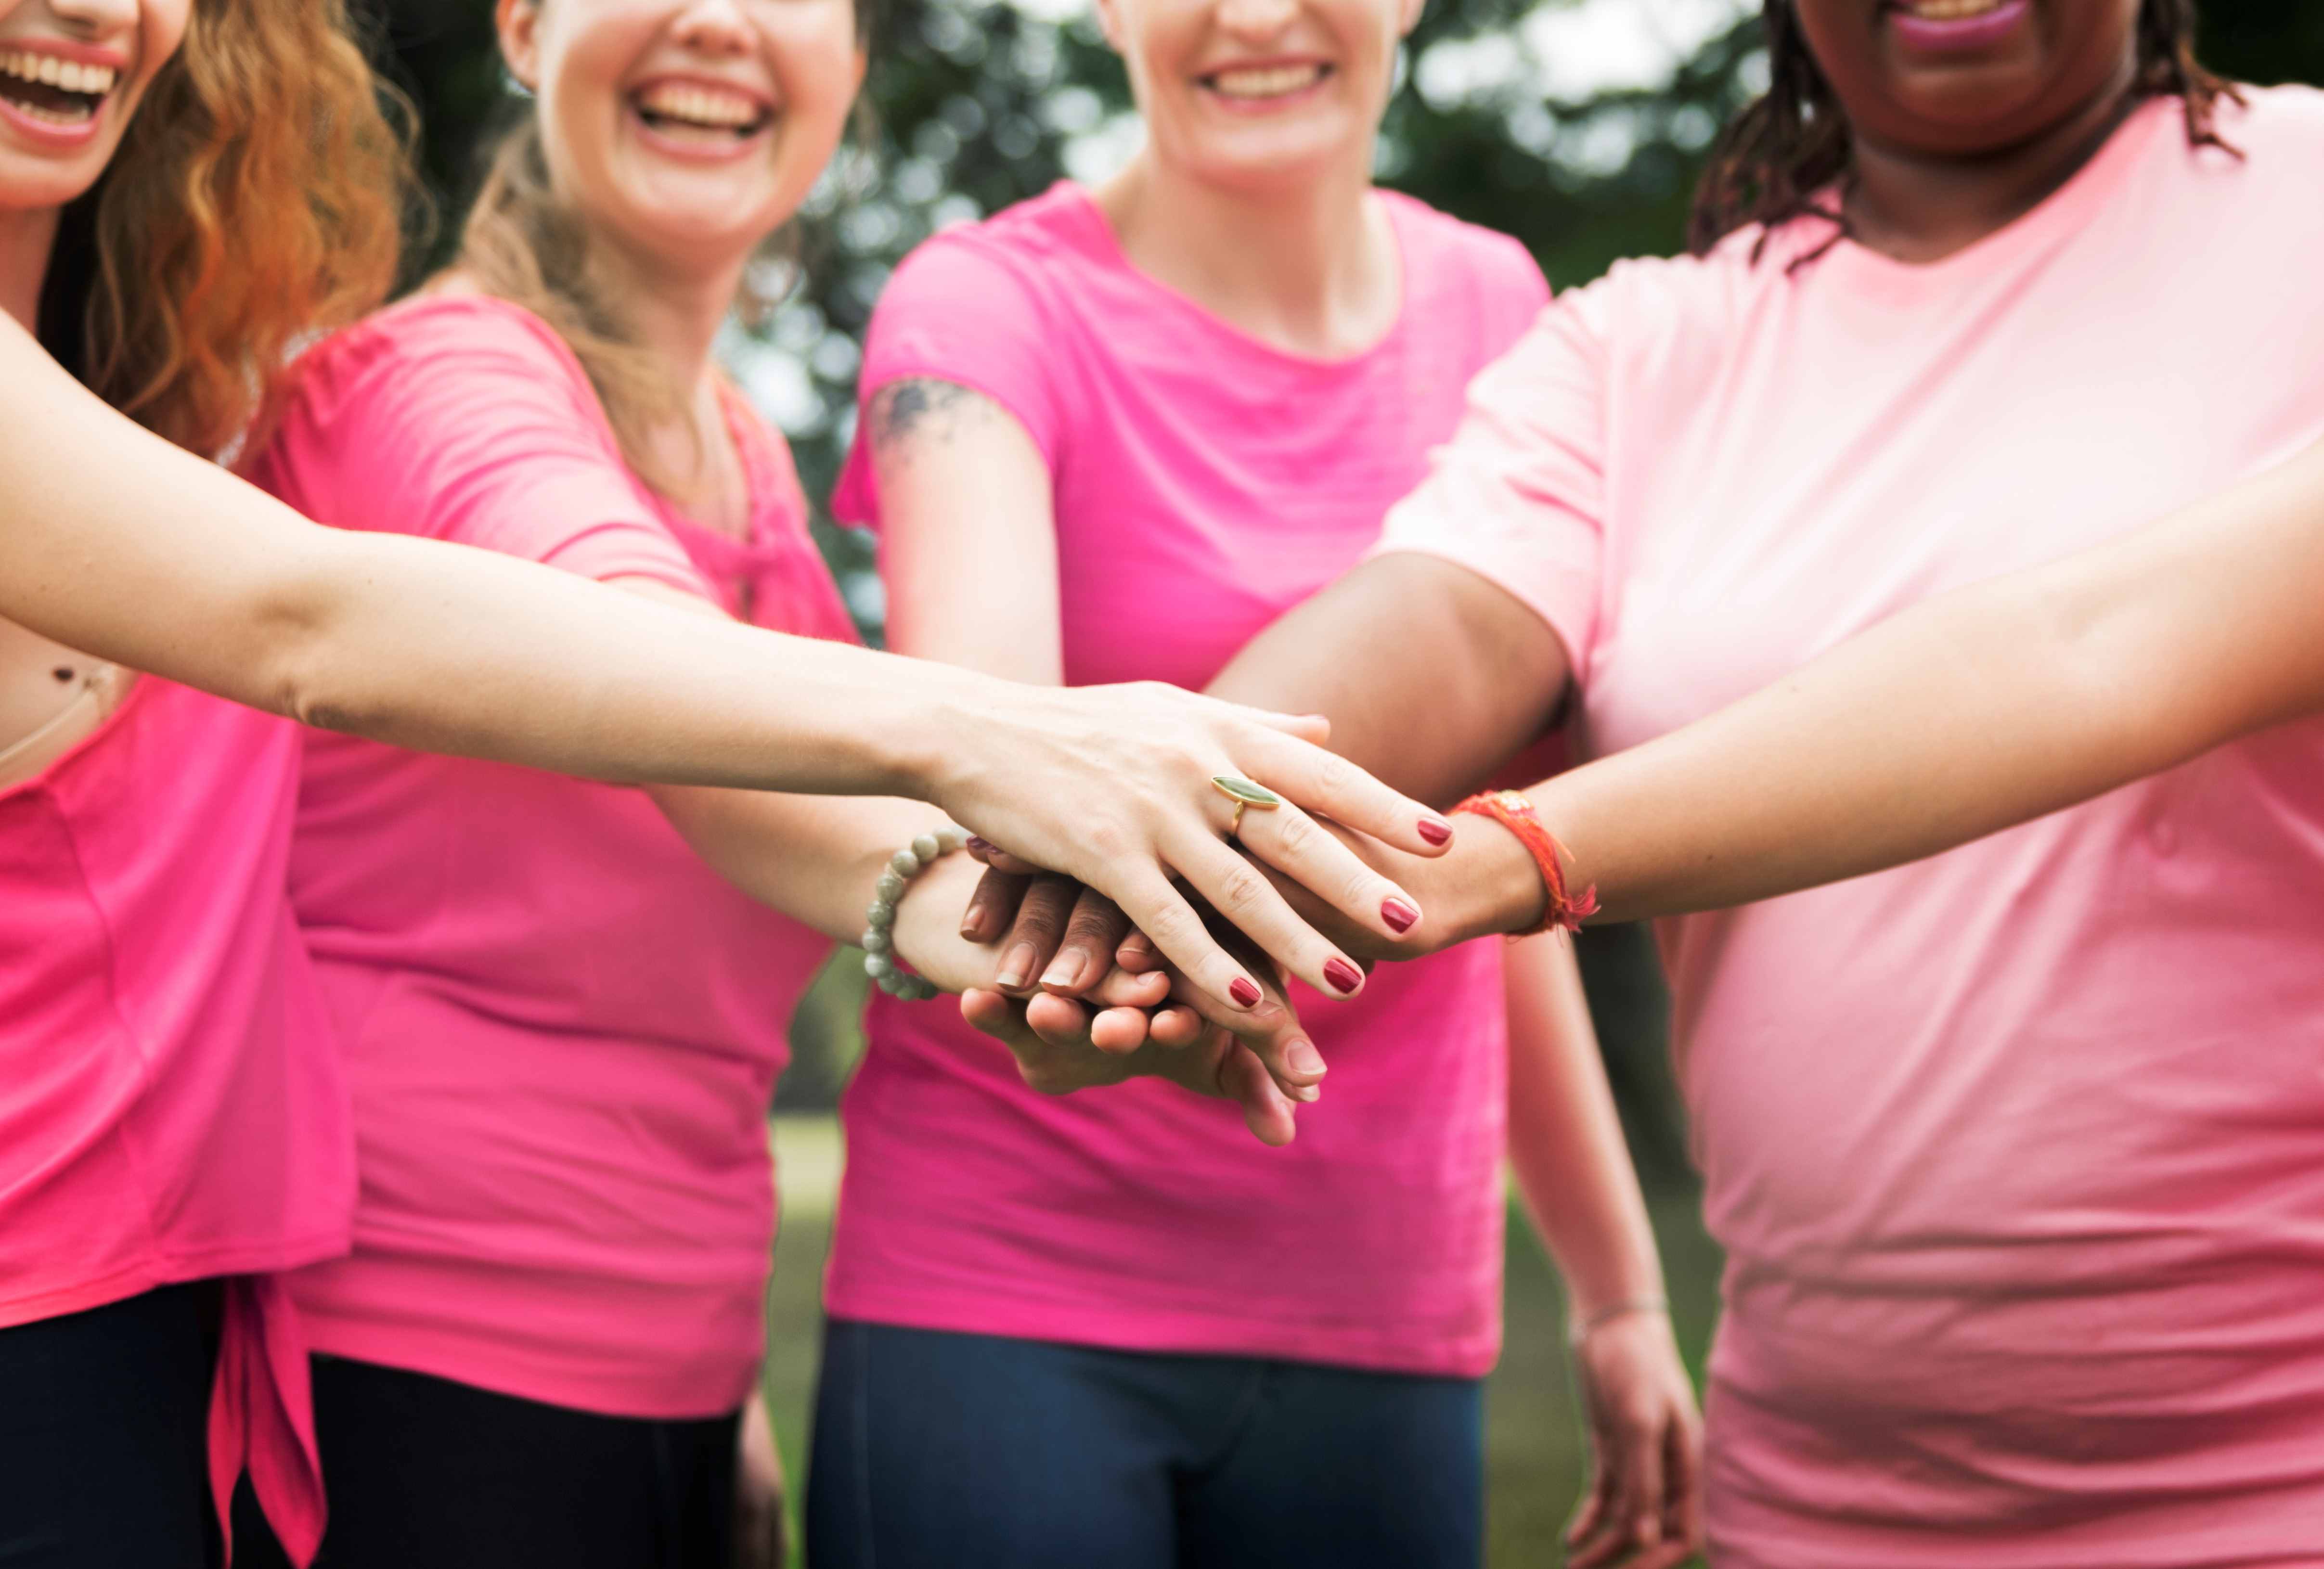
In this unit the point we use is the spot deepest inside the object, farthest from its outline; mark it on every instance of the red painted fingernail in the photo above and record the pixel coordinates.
(1399, 914)
(1344, 977)
(1435, 830)
(1245, 994)
(979, 845)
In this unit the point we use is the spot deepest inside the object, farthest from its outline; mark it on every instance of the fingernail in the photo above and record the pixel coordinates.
(979, 843)
(1399, 914)
(1344, 977)
(1307, 1094)
(1068, 970)
(1435, 830)
(1244, 992)
(972, 921)
(1015, 967)
(1304, 1058)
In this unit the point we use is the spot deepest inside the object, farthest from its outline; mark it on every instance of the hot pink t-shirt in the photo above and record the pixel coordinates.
(1204, 484)
(563, 1029)
(2017, 1153)
(171, 1108)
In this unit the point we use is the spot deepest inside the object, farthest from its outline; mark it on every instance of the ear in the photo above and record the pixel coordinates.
(1108, 23)
(1407, 16)
(518, 22)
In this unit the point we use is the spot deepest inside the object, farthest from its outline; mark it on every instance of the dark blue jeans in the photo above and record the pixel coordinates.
(979, 1451)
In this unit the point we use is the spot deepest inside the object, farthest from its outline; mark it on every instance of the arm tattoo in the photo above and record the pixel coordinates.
(921, 405)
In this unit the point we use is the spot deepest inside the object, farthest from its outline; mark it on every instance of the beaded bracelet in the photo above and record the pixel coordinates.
(881, 960)
(1512, 811)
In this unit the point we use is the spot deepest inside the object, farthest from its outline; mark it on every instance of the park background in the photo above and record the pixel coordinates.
(1576, 125)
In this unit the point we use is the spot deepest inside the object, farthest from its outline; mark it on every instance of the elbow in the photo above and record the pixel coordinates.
(303, 671)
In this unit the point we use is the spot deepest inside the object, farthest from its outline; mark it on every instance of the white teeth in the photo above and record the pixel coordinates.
(699, 105)
(1266, 82)
(72, 77)
(1950, 9)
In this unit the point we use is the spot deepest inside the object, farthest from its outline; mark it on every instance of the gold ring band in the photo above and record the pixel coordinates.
(1245, 794)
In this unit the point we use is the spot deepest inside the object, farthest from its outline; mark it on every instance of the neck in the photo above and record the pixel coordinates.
(27, 236)
(1918, 206)
(675, 315)
(1310, 268)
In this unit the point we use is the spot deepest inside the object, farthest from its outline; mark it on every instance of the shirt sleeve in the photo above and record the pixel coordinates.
(1517, 495)
(467, 422)
(955, 311)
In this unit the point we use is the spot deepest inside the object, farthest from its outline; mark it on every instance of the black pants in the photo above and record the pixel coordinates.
(426, 1473)
(936, 1450)
(103, 1428)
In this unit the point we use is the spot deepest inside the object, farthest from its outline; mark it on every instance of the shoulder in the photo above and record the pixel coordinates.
(1025, 255)
(1486, 260)
(2280, 125)
(394, 353)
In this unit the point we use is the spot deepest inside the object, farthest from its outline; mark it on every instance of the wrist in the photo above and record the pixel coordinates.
(1494, 888)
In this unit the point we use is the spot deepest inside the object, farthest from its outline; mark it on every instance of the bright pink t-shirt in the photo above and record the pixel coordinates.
(563, 1029)
(171, 1108)
(2017, 1153)
(1204, 484)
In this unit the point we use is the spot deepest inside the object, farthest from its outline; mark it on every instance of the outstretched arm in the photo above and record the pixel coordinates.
(131, 550)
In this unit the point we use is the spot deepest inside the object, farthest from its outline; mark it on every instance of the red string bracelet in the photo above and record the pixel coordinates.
(1513, 811)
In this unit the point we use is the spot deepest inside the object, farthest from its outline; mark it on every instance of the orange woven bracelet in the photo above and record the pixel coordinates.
(1515, 812)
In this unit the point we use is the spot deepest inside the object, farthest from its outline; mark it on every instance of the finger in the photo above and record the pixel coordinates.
(1156, 906)
(1291, 842)
(988, 1012)
(1243, 896)
(1329, 785)
(1127, 988)
(1137, 952)
(1061, 1022)
(1119, 1030)
(983, 849)
(1596, 1538)
(1271, 1031)
(992, 906)
(1266, 1111)
(1315, 729)
(1175, 1026)
(1682, 1492)
(1093, 932)
(1033, 936)
(1642, 1495)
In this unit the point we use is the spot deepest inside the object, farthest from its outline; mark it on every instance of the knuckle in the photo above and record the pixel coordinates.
(1239, 889)
(1107, 839)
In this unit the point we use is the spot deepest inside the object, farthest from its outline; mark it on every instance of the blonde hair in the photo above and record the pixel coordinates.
(265, 133)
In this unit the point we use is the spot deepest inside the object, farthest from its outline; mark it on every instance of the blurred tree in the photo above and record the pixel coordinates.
(1577, 126)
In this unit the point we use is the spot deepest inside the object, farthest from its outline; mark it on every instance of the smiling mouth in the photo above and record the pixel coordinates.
(698, 113)
(57, 92)
(1258, 83)
(1946, 10)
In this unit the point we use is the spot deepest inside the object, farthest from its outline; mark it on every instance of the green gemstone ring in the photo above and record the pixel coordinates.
(1244, 793)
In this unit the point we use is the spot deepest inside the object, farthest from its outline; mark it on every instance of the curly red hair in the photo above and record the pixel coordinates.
(257, 199)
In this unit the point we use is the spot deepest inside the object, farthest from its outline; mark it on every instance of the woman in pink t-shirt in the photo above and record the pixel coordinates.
(1108, 434)
(561, 1025)
(2012, 1149)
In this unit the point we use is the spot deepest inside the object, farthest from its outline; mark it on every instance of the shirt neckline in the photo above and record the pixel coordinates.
(1107, 246)
(2086, 188)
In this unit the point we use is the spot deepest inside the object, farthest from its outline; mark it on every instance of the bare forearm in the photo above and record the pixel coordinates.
(1432, 677)
(1566, 1148)
(814, 858)
(1972, 712)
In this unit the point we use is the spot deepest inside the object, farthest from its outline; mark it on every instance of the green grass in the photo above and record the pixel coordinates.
(1535, 1457)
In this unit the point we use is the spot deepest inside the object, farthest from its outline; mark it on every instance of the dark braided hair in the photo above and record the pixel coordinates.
(1779, 156)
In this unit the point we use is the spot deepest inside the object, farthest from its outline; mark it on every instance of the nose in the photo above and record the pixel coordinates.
(92, 21)
(713, 27)
(1255, 20)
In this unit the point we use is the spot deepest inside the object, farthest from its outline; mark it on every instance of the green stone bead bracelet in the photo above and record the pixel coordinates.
(881, 960)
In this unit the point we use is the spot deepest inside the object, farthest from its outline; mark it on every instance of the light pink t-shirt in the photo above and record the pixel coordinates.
(171, 1108)
(563, 1029)
(2017, 1153)
(1204, 484)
